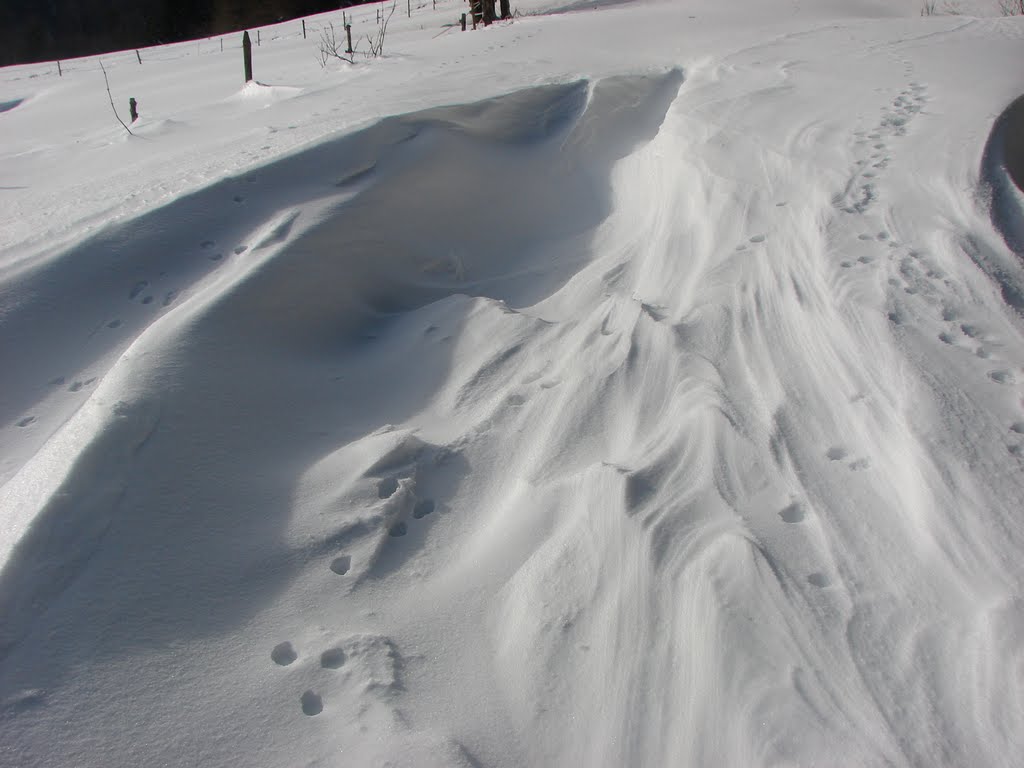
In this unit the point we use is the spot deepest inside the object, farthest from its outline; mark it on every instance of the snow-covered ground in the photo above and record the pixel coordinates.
(640, 384)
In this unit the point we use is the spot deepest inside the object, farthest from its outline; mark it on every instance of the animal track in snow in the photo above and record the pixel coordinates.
(794, 513)
(138, 288)
(26, 421)
(312, 703)
(283, 654)
(819, 580)
(115, 323)
(398, 530)
(78, 385)
(169, 297)
(836, 453)
(341, 564)
(859, 465)
(387, 487)
(423, 508)
(1002, 376)
(758, 238)
(332, 658)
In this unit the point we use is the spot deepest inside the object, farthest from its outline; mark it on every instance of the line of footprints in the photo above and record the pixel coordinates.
(284, 653)
(333, 658)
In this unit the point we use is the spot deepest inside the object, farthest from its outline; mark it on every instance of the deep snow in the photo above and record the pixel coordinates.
(635, 385)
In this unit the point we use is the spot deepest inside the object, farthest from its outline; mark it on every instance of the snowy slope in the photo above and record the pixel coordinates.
(635, 385)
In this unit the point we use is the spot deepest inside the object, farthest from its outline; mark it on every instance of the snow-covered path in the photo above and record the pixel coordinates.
(657, 411)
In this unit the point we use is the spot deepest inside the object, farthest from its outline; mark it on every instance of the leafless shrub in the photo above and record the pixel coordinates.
(1012, 7)
(330, 47)
(376, 40)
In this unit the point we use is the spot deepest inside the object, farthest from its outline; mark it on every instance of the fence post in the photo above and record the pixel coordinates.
(60, 72)
(133, 109)
(348, 34)
(257, 38)
(408, 4)
(303, 29)
(463, 22)
(137, 55)
(247, 55)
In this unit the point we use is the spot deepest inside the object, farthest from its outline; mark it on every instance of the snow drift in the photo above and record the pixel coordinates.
(619, 415)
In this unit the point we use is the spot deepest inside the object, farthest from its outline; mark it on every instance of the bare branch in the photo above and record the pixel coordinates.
(105, 80)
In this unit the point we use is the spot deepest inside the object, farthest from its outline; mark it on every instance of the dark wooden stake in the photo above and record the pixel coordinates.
(463, 22)
(408, 4)
(303, 29)
(222, 45)
(133, 109)
(60, 72)
(257, 38)
(137, 55)
(247, 55)
(348, 33)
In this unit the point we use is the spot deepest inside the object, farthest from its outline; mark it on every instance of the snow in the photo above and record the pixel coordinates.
(633, 384)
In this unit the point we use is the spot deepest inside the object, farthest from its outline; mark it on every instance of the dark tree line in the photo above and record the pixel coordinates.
(41, 30)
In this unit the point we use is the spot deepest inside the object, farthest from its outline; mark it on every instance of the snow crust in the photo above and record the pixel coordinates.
(629, 384)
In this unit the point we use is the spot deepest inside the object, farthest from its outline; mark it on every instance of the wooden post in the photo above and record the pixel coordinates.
(348, 34)
(137, 55)
(133, 109)
(257, 38)
(408, 4)
(506, 9)
(303, 29)
(60, 72)
(463, 22)
(247, 55)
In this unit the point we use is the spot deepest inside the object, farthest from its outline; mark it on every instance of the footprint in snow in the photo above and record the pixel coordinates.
(1018, 427)
(836, 453)
(138, 288)
(283, 654)
(387, 487)
(1002, 377)
(341, 564)
(819, 580)
(859, 465)
(312, 703)
(423, 508)
(794, 513)
(758, 238)
(332, 658)
(116, 323)
(26, 421)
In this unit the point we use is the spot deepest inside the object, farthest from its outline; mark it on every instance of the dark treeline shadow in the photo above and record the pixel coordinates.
(43, 30)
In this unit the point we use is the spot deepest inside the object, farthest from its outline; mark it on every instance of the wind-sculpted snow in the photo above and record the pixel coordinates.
(673, 417)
